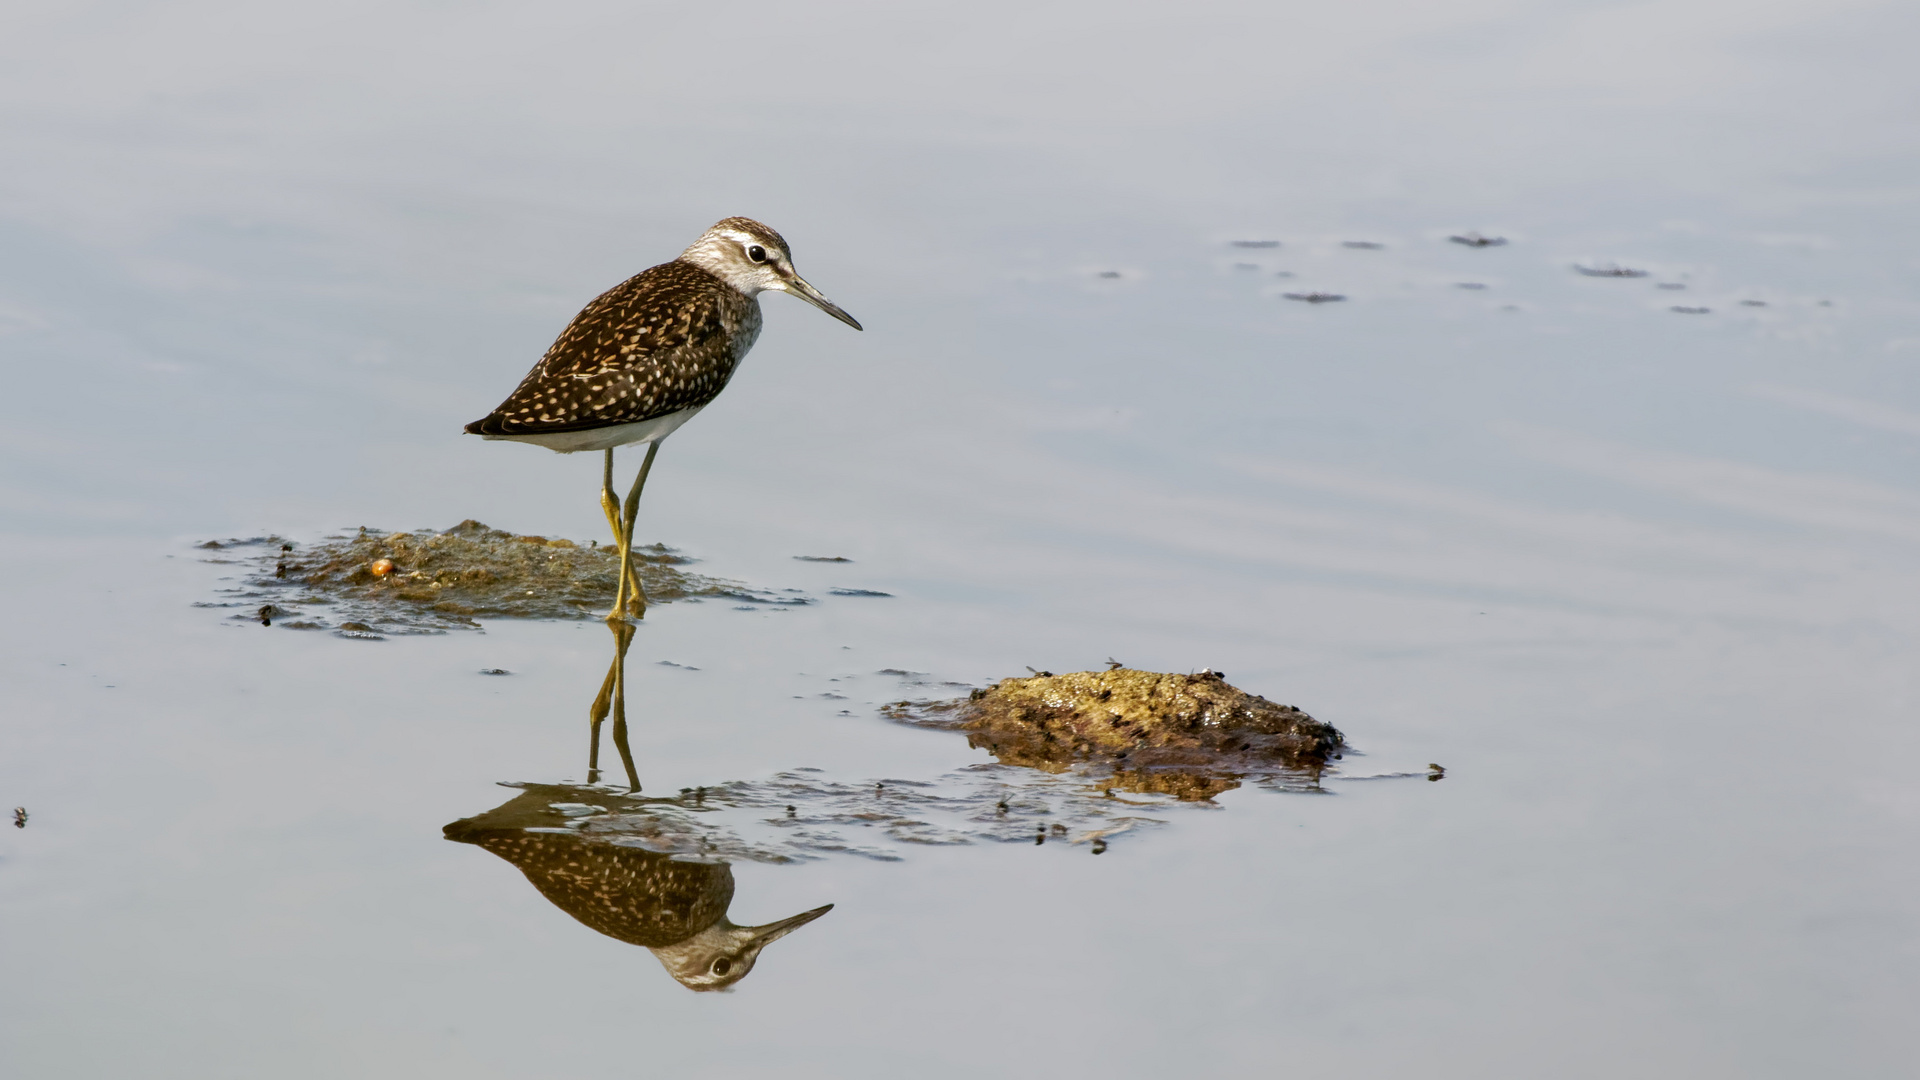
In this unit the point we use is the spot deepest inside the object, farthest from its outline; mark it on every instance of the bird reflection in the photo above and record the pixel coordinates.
(673, 906)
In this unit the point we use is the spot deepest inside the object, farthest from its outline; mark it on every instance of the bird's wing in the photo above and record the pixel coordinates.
(655, 344)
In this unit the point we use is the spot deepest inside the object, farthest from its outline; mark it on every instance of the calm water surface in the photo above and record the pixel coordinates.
(1643, 579)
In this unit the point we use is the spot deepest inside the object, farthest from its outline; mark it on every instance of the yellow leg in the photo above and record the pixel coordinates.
(610, 504)
(636, 595)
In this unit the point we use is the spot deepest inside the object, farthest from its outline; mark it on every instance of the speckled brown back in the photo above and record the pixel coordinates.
(664, 340)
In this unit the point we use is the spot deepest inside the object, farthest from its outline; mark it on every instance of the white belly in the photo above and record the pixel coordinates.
(569, 442)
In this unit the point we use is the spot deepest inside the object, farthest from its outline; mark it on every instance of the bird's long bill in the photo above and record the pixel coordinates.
(775, 931)
(799, 287)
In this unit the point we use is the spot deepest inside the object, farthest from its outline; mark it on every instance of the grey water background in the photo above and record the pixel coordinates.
(1644, 581)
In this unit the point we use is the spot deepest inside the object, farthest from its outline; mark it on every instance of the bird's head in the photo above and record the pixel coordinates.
(722, 954)
(754, 259)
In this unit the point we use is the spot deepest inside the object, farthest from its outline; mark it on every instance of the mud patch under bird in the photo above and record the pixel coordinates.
(372, 583)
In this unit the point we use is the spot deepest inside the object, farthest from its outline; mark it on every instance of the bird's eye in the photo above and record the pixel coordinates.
(724, 965)
(757, 253)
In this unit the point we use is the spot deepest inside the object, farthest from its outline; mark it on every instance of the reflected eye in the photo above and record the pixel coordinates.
(757, 254)
(724, 965)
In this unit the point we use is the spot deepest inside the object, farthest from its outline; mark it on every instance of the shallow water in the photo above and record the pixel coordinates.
(1642, 580)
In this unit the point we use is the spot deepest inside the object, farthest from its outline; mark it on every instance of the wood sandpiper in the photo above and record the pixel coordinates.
(647, 355)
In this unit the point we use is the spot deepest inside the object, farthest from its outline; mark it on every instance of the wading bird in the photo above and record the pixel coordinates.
(647, 355)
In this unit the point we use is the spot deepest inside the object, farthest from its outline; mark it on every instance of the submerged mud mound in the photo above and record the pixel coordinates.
(374, 583)
(1190, 736)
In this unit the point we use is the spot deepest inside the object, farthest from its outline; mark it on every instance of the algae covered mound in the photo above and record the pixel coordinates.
(1192, 736)
(373, 582)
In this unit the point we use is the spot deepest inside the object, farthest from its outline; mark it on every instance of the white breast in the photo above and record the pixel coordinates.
(571, 442)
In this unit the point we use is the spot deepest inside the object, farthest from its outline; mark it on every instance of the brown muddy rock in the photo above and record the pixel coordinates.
(1190, 736)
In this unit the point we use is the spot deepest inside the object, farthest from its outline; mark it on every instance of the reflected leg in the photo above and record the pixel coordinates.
(623, 634)
(598, 713)
(612, 698)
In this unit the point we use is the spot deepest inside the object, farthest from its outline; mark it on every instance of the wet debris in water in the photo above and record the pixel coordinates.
(1475, 240)
(1432, 772)
(1188, 736)
(20, 817)
(1100, 846)
(1683, 309)
(372, 583)
(495, 671)
(1315, 297)
(822, 558)
(858, 592)
(801, 815)
(1611, 270)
